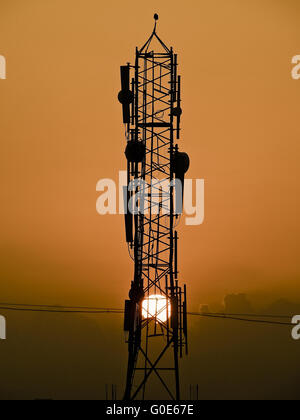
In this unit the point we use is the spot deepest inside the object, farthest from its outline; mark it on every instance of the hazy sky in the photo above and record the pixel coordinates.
(61, 131)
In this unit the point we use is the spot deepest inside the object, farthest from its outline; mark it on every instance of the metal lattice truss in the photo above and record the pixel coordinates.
(156, 89)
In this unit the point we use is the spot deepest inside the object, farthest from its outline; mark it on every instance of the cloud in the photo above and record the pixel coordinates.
(237, 303)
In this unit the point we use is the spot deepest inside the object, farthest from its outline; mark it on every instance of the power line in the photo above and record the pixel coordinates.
(57, 306)
(90, 310)
(71, 311)
(250, 315)
(262, 321)
(97, 308)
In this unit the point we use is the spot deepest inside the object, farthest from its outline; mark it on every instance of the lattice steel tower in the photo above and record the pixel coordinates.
(155, 315)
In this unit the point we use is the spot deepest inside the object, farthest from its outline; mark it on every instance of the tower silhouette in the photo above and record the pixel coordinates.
(155, 314)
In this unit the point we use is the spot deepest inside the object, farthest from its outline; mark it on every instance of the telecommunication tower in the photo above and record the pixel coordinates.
(156, 313)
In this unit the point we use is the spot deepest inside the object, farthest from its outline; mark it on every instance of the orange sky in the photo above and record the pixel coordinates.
(61, 131)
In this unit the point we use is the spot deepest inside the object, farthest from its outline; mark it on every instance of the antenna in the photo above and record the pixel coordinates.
(155, 24)
(125, 95)
(155, 313)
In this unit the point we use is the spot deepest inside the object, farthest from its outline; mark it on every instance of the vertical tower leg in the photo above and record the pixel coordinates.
(177, 383)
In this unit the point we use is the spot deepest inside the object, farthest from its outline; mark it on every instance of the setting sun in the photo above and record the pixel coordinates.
(155, 306)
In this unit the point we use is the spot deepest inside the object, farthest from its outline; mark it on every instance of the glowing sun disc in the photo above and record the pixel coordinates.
(155, 306)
